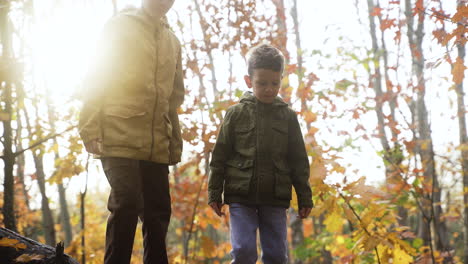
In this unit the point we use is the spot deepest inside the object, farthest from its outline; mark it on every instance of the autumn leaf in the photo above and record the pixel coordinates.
(4, 116)
(318, 172)
(400, 256)
(27, 258)
(462, 12)
(9, 242)
(458, 71)
(377, 11)
(334, 222)
(309, 117)
(208, 246)
(440, 35)
(387, 23)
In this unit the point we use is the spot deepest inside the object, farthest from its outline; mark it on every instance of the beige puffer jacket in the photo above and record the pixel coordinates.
(132, 92)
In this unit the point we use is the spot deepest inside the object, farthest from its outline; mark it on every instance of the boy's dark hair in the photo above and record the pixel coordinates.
(265, 56)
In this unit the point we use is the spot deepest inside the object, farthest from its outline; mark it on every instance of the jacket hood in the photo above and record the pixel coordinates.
(249, 98)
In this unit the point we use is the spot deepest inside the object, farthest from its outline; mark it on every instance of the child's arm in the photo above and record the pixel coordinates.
(221, 152)
(299, 164)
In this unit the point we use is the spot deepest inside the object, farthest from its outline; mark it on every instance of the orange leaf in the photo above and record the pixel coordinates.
(462, 12)
(458, 71)
(387, 23)
(377, 11)
(440, 35)
(9, 242)
(27, 258)
(310, 117)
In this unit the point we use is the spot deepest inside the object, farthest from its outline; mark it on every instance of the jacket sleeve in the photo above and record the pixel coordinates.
(178, 92)
(299, 164)
(175, 101)
(104, 67)
(221, 152)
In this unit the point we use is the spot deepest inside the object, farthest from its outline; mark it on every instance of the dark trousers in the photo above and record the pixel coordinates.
(138, 189)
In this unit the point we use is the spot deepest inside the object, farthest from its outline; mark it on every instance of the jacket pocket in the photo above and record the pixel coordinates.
(238, 175)
(123, 126)
(283, 183)
(244, 134)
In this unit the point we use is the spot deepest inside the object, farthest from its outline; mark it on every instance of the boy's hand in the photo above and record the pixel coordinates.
(217, 208)
(304, 212)
(94, 146)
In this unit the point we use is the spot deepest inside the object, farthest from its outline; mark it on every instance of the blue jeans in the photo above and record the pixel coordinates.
(271, 223)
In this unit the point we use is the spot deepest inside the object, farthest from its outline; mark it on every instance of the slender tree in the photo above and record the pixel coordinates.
(461, 114)
(7, 109)
(38, 153)
(431, 206)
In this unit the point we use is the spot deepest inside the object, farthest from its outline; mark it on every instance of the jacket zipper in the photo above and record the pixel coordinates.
(156, 90)
(257, 152)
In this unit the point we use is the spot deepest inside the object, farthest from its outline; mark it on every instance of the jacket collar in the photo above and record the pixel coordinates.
(249, 98)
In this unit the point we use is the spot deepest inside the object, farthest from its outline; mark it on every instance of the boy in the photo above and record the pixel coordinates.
(258, 156)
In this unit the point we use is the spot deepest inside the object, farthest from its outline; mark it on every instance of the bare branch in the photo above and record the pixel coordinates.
(41, 141)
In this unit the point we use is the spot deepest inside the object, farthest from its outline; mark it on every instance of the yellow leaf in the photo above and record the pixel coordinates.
(4, 116)
(400, 256)
(371, 243)
(309, 117)
(294, 203)
(383, 253)
(340, 240)
(334, 222)
(458, 71)
(9, 242)
(208, 246)
(318, 172)
(27, 258)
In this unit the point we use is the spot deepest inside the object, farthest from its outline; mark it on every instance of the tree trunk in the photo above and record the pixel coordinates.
(8, 155)
(461, 110)
(83, 215)
(43, 254)
(391, 157)
(47, 218)
(296, 225)
(281, 42)
(432, 205)
(208, 46)
(415, 38)
(64, 215)
(376, 78)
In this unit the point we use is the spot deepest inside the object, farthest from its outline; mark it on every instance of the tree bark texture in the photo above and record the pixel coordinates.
(206, 40)
(461, 113)
(9, 218)
(64, 214)
(45, 254)
(281, 41)
(391, 157)
(47, 218)
(432, 204)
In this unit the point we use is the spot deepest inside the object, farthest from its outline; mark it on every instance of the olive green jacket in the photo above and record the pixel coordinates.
(259, 155)
(132, 92)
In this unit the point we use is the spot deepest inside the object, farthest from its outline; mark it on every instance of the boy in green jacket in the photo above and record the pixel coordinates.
(258, 156)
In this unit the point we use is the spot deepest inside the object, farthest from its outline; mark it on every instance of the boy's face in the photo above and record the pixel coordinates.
(159, 7)
(265, 84)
